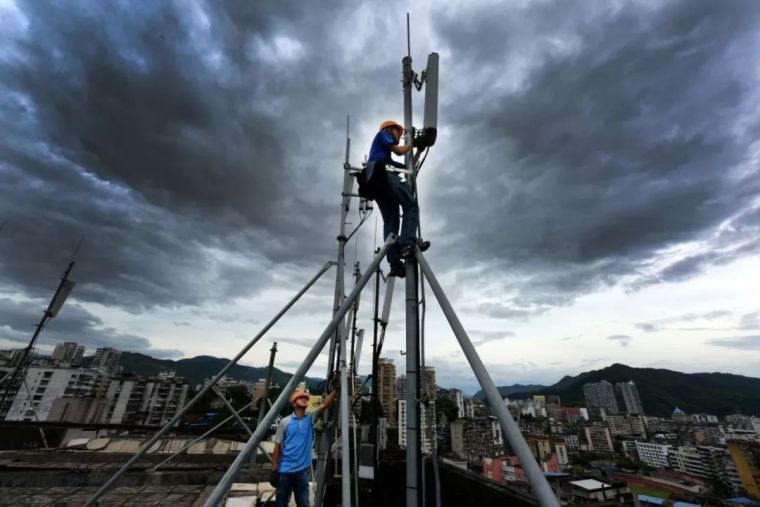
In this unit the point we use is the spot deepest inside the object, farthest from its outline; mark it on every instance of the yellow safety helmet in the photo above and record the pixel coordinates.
(391, 123)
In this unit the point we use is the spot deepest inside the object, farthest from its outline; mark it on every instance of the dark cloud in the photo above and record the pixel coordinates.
(584, 144)
(484, 336)
(751, 342)
(73, 323)
(199, 147)
(662, 324)
(622, 339)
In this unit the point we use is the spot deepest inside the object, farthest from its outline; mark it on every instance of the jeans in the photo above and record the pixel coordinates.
(394, 194)
(298, 483)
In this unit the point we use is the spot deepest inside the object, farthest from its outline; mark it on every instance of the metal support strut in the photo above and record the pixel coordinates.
(147, 445)
(232, 472)
(538, 483)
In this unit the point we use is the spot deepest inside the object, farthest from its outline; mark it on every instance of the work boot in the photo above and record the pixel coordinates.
(398, 270)
(408, 249)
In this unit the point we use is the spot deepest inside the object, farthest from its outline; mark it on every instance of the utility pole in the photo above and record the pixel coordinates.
(412, 313)
(323, 446)
(265, 399)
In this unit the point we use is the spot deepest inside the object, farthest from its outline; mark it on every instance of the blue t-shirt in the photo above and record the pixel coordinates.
(295, 436)
(381, 149)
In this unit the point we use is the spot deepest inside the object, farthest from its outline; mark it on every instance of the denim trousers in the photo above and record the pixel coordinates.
(295, 482)
(397, 194)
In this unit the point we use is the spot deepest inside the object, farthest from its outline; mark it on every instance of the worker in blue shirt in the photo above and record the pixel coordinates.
(390, 192)
(291, 459)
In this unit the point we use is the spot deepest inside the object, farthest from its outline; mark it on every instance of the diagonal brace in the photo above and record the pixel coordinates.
(538, 483)
(229, 477)
(148, 444)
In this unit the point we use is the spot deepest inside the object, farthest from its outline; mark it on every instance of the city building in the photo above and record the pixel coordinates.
(70, 353)
(592, 490)
(601, 395)
(687, 459)
(401, 387)
(44, 385)
(560, 450)
(626, 425)
(429, 379)
(144, 401)
(540, 447)
(427, 419)
(386, 389)
(628, 398)
(472, 439)
(511, 470)
(106, 359)
(746, 458)
(654, 455)
(493, 468)
(598, 439)
(469, 408)
(457, 397)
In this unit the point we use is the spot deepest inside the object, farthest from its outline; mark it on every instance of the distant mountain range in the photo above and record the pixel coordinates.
(196, 369)
(660, 390)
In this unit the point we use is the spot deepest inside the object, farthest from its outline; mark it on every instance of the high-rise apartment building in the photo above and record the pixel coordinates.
(107, 359)
(598, 439)
(401, 387)
(146, 401)
(68, 352)
(628, 398)
(429, 383)
(386, 389)
(43, 386)
(601, 395)
(427, 426)
(457, 397)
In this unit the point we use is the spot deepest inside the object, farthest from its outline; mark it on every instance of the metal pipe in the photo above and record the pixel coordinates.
(323, 445)
(234, 412)
(412, 385)
(412, 317)
(270, 369)
(193, 442)
(345, 458)
(541, 488)
(147, 445)
(226, 482)
(240, 420)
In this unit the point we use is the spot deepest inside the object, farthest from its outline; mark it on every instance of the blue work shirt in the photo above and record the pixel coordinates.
(295, 436)
(381, 149)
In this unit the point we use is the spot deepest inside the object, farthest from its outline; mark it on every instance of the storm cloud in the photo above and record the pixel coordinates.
(198, 148)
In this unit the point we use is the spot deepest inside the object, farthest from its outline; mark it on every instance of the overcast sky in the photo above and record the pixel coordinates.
(593, 196)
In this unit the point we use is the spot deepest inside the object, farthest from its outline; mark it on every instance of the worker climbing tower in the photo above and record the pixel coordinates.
(342, 456)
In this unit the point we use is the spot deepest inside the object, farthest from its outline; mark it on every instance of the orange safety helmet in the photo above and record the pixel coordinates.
(298, 394)
(391, 123)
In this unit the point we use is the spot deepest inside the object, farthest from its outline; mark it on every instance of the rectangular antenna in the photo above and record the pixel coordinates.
(431, 92)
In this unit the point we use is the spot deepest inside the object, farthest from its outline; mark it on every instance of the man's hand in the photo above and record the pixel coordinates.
(274, 478)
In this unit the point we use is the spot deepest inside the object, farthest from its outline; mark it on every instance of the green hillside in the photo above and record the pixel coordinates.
(662, 390)
(196, 369)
